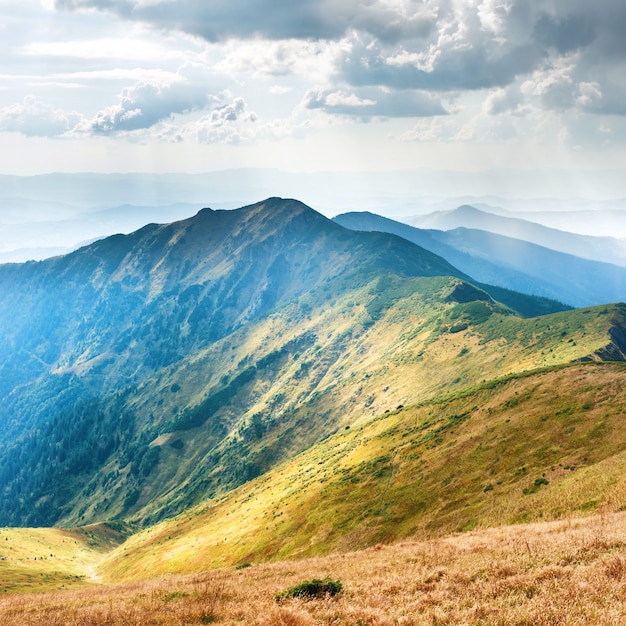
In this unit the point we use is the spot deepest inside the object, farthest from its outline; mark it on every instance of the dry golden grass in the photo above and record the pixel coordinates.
(566, 572)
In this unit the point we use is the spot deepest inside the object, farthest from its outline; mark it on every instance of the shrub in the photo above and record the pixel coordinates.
(315, 588)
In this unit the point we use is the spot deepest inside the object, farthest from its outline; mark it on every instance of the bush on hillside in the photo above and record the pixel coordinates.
(308, 589)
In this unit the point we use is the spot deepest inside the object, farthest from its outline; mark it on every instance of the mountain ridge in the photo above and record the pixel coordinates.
(605, 249)
(508, 262)
(157, 369)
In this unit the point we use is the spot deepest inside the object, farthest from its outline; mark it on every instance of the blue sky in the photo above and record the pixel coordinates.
(374, 85)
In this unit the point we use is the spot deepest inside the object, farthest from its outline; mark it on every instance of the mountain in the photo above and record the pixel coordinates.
(508, 262)
(146, 373)
(605, 249)
(600, 218)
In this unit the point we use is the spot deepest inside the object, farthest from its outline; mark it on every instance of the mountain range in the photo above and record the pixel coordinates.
(604, 249)
(146, 374)
(512, 263)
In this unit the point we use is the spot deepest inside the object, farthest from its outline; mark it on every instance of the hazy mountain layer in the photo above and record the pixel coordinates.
(605, 249)
(508, 262)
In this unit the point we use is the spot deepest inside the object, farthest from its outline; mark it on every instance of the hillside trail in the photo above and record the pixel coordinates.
(92, 574)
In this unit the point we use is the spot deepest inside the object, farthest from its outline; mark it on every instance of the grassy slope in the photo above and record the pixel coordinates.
(43, 559)
(419, 469)
(466, 460)
(379, 345)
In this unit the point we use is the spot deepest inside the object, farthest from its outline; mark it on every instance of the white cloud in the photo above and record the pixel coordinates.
(425, 130)
(589, 94)
(146, 103)
(369, 102)
(34, 118)
(463, 71)
(260, 57)
(509, 100)
(231, 123)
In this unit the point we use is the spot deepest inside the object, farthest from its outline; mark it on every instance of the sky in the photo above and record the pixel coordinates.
(314, 85)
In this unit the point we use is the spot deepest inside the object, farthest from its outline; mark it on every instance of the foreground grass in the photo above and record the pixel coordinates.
(566, 572)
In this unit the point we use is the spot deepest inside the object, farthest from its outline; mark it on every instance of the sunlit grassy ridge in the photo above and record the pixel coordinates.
(524, 448)
(159, 369)
(327, 361)
(543, 442)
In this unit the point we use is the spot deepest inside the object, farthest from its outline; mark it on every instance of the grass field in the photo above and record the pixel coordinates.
(44, 559)
(417, 512)
(570, 572)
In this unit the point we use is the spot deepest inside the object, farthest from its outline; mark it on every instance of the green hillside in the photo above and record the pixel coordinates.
(540, 446)
(45, 559)
(276, 387)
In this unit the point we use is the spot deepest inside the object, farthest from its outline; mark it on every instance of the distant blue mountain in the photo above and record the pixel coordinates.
(605, 249)
(508, 262)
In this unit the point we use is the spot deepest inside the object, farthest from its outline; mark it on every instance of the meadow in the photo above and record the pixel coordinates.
(571, 571)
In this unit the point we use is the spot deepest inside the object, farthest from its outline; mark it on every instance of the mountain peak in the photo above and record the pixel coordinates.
(184, 359)
(467, 209)
(276, 205)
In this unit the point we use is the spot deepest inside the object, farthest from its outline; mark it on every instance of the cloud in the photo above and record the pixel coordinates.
(453, 65)
(564, 34)
(509, 100)
(601, 100)
(445, 46)
(229, 123)
(373, 102)
(34, 118)
(221, 20)
(147, 103)
(275, 58)
(223, 124)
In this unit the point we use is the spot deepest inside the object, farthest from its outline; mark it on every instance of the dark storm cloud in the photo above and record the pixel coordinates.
(272, 19)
